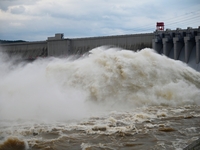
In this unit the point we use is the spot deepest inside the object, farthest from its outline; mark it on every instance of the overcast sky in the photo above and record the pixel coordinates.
(34, 20)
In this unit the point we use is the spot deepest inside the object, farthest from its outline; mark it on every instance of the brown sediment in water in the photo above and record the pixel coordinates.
(116, 131)
(13, 144)
(99, 128)
(132, 144)
(166, 129)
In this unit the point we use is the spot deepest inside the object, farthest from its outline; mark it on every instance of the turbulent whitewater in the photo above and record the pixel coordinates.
(108, 99)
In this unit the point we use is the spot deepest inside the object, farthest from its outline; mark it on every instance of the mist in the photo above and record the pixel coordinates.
(26, 93)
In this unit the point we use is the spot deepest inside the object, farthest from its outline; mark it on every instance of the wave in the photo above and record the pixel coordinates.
(123, 77)
(106, 79)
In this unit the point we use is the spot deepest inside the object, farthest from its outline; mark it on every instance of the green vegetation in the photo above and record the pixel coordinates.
(7, 41)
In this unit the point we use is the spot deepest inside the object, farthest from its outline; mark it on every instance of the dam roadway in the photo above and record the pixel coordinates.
(178, 44)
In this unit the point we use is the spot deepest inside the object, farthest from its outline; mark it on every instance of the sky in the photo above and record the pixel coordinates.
(35, 20)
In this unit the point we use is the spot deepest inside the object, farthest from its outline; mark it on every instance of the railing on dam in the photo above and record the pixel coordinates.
(179, 44)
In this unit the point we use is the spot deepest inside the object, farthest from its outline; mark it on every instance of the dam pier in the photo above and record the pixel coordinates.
(183, 45)
(178, 44)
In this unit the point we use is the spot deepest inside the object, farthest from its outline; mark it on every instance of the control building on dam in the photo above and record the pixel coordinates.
(179, 44)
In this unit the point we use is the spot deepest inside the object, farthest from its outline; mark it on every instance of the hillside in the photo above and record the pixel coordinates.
(8, 41)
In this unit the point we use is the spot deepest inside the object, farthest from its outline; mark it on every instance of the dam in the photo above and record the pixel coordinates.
(178, 44)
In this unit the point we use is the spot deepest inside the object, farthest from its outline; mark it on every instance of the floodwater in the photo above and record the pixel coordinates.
(112, 99)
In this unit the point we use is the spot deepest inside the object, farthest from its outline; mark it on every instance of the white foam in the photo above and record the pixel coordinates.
(121, 78)
(108, 79)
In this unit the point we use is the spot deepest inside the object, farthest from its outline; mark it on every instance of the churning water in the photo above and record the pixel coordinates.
(109, 99)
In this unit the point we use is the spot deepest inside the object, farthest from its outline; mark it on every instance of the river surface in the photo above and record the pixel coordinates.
(111, 99)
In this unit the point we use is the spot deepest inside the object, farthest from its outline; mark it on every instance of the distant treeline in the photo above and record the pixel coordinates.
(7, 41)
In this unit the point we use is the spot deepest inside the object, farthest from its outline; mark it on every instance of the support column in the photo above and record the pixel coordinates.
(178, 45)
(197, 38)
(189, 44)
(167, 46)
(157, 45)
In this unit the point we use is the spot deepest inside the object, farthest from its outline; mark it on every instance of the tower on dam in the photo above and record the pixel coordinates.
(160, 26)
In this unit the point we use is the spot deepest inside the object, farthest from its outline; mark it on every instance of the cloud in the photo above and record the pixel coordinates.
(5, 4)
(17, 9)
(31, 19)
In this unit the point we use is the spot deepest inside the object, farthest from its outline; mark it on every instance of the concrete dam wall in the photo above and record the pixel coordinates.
(27, 50)
(58, 46)
(132, 42)
(78, 46)
(179, 44)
